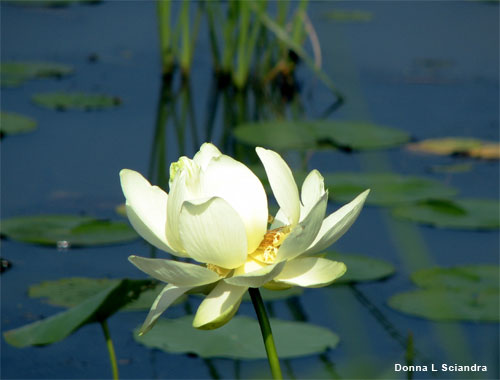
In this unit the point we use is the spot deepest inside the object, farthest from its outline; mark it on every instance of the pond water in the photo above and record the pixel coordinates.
(428, 68)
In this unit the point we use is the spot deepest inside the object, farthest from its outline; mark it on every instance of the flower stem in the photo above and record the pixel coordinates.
(267, 334)
(111, 350)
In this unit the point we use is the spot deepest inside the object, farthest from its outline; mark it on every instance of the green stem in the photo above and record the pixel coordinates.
(111, 349)
(267, 334)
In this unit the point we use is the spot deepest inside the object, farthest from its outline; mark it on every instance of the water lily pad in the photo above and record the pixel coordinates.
(449, 305)
(286, 135)
(13, 123)
(66, 230)
(464, 278)
(69, 292)
(459, 213)
(387, 189)
(95, 309)
(15, 73)
(239, 339)
(361, 268)
(458, 145)
(75, 100)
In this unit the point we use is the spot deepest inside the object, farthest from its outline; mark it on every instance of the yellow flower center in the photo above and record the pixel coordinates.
(268, 249)
(223, 272)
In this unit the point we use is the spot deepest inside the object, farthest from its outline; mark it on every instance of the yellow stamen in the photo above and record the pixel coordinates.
(267, 251)
(223, 272)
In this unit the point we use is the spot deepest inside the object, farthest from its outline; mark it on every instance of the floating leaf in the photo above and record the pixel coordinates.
(69, 292)
(449, 305)
(476, 213)
(66, 230)
(95, 309)
(387, 189)
(458, 145)
(75, 100)
(455, 168)
(13, 123)
(361, 268)
(239, 339)
(16, 73)
(287, 135)
(349, 15)
(465, 278)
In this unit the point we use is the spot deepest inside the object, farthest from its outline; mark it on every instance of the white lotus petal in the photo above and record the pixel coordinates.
(312, 190)
(232, 181)
(212, 232)
(280, 220)
(282, 182)
(337, 223)
(310, 272)
(175, 272)
(219, 306)
(304, 233)
(205, 154)
(146, 209)
(166, 297)
(253, 274)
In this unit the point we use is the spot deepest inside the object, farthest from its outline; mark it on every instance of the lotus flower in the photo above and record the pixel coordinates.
(217, 215)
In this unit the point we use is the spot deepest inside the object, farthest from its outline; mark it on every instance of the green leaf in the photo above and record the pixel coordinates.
(75, 100)
(13, 123)
(359, 135)
(69, 292)
(361, 268)
(449, 305)
(16, 73)
(66, 230)
(239, 339)
(95, 309)
(292, 135)
(477, 213)
(464, 278)
(387, 189)
(458, 145)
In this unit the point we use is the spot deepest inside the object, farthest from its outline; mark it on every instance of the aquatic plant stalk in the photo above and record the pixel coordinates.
(111, 349)
(267, 334)
(165, 34)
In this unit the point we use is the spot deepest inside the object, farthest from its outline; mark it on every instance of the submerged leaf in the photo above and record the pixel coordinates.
(239, 339)
(75, 100)
(474, 214)
(95, 309)
(16, 73)
(361, 268)
(66, 230)
(13, 123)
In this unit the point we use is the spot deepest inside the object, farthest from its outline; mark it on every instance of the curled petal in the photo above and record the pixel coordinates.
(205, 154)
(337, 223)
(312, 190)
(232, 181)
(282, 182)
(146, 209)
(304, 233)
(175, 272)
(219, 306)
(311, 272)
(212, 232)
(255, 274)
(166, 297)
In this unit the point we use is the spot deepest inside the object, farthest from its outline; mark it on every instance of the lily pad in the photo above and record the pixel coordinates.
(458, 146)
(361, 268)
(449, 305)
(387, 189)
(66, 230)
(464, 278)
(15, 73)
(460, 213)
(62, 101)
(95, 309)
(69, 292)
(239, 339)
(299, 135)
(13, 123)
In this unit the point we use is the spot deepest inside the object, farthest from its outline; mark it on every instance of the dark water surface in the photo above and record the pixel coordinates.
(429, 68)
